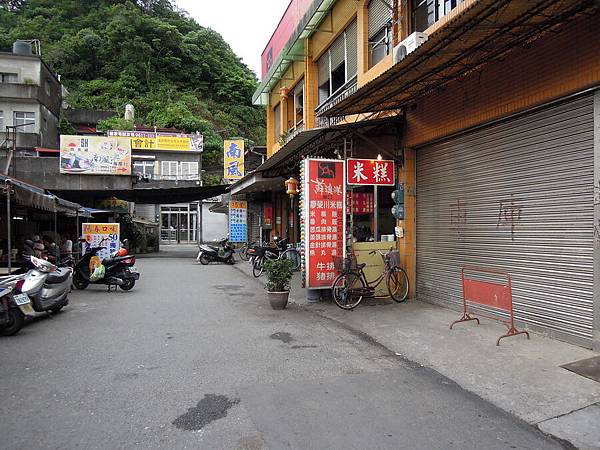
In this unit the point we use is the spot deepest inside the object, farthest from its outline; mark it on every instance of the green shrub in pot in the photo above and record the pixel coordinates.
(279, 274)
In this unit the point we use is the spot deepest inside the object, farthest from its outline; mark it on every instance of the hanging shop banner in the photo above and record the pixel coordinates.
(371, 172)
(233, 159)
(268, 216)
(324, 221)
(238, 221)
(177, 142)
(113, 204)
(95, 155)
(360, 203)
(102, 235)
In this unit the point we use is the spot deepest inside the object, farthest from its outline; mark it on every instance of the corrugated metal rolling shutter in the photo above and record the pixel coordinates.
(323, 68)
(338, 52)
(537, 169)
(351, 50)
(379, 14)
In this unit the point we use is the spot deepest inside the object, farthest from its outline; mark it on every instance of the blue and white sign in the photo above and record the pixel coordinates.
(238, 225)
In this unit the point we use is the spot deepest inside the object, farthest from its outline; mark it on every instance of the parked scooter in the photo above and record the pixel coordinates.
(118, 270)
(222, 252)
(44, 288)
(13, 306)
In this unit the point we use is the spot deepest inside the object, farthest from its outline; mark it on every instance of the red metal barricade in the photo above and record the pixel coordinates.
(496, 296)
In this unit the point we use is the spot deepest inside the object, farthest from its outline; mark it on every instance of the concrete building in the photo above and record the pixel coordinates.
(490, 109)
(30, 98)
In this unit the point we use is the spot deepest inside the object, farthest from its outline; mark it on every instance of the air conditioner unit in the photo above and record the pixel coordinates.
(408, 45)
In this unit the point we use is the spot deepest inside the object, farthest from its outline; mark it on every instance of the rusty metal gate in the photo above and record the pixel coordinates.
(517, 196)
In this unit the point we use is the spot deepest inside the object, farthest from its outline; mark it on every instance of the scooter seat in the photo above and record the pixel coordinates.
(60, 276)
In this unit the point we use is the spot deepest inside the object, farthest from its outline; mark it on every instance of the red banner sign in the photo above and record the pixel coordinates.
(371, 172)
(325, 219)
(360, 203)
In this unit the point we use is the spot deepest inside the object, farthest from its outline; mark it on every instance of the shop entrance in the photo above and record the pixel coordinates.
(179, 224)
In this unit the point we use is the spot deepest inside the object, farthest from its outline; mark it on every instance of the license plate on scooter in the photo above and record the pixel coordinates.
(21, 299)
(133, 269)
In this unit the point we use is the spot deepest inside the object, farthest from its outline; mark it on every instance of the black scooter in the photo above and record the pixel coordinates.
(223, 252)
(119, 271)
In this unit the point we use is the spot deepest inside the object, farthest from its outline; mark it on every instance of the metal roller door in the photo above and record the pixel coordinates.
(517, 195)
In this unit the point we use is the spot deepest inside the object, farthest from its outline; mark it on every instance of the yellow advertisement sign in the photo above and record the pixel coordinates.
(233, 159)
(95, 155)
(162, 143)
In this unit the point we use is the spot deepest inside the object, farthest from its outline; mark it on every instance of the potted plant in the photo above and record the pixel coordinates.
(279, 273)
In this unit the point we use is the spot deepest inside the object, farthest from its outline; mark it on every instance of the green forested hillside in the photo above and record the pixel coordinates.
(145, 52)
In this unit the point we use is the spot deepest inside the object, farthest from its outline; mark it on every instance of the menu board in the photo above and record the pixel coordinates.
(324, 210)
(238, 226)
(101, 235)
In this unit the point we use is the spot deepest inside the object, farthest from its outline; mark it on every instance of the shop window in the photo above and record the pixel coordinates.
(277, 121)
(380, 31)
(427, 12)
(338, 65)
(25, 121)
(9, 77)
(299, 104)
(338, 78)
(169, 170)
(144, 168)
(189, 170)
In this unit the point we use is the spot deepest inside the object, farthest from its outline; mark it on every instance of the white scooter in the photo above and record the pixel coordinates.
(46, 286)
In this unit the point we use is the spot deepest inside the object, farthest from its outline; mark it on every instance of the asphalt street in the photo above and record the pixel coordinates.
(195, 358)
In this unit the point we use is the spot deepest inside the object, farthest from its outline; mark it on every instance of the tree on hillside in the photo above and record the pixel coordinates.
(145, 52)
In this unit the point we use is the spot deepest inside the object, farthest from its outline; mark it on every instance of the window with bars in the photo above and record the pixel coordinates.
(9, 77)
(380, 30)
(338, 65)
(427, 12)
(25, 121)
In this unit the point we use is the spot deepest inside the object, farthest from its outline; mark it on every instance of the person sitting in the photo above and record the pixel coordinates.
(52, 250)
(38, 246)
(66, 248)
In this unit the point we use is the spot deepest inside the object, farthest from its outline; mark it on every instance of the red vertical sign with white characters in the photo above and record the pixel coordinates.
(325, 219)
(371, 172)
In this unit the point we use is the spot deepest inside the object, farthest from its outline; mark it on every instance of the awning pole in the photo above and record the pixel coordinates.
(376, 207)
(8, 227)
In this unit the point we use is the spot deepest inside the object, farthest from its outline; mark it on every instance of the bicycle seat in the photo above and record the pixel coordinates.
(361, 266)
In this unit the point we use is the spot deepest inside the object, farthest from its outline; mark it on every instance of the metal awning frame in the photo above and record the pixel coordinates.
(471, 40)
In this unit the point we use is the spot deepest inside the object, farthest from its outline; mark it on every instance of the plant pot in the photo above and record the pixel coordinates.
(278, 300)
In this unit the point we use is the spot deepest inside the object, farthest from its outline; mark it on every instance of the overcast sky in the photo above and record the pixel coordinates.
(245, 25)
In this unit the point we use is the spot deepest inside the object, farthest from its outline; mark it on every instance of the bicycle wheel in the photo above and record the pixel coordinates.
(397, 284)
(243, 252)
(257, 267)
(347, 290)
(294, 256)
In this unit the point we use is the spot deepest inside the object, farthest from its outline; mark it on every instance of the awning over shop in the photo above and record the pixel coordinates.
(155, 196)
(256, 182)
(26, 194)
(317, 142)
(481, 33)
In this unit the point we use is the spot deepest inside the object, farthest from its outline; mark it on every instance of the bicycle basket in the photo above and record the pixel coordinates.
(346, 264)
(394, 258)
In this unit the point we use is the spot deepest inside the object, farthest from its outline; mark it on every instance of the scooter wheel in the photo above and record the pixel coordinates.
(204, 259)
(16, 319)
(128, 284)
(231, 260)
(79, 283)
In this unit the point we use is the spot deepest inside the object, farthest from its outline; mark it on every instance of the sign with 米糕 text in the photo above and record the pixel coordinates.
(370, 172)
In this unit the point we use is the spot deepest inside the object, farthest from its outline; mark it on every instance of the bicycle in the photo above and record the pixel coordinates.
(351, 285)
(281, 251)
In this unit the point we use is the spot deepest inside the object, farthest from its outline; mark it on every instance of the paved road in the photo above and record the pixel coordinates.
(195, 358)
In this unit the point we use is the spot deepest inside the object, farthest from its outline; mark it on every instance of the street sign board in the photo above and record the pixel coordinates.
(371, 172)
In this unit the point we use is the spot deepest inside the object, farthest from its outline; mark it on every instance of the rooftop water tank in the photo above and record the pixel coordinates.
(22, 48)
